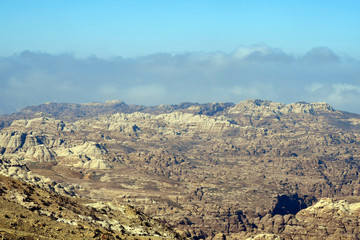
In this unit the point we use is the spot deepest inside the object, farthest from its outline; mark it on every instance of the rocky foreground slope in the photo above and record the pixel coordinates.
(217, 170)
(37, 211)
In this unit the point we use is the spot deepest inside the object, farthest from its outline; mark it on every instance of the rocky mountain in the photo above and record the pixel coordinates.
(73, 111)
(256, 169)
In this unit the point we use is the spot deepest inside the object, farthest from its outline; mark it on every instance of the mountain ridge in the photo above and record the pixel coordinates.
(210, 170)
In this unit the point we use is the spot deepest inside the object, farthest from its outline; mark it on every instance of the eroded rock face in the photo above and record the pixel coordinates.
(14, 168)
(12, 141)
(40, 140)
(209, 170)
(40, 153)
(268, 108)
(330, 218)
(89, 155)
(327, 219)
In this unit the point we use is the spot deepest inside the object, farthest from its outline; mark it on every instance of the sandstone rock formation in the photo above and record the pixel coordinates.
(327, 219)
(216, 170)
(15, 169)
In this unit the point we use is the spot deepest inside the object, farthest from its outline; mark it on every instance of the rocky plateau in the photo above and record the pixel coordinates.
(252, 170)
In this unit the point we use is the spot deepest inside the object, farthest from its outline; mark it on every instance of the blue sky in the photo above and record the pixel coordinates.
(165, 52)
(135, 28)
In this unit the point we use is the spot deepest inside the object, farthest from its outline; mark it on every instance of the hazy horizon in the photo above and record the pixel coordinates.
(162, 52)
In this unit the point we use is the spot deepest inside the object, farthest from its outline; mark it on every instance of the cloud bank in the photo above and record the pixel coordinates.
(257, 71)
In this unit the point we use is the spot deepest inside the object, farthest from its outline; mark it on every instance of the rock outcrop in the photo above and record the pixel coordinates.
(216, 170)
(326, 219)
(15, 169)
(29, 212)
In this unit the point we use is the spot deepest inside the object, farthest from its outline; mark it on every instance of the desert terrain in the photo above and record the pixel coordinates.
(252, 170)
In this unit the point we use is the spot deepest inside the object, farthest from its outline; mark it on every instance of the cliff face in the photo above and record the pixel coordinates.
(209, 170)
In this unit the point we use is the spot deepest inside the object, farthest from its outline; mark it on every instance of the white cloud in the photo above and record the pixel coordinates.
(243, 52)
(248, 92)
(321, 55)
(249, 72)
(341, 88)
(149, 94)
(341, 95)
(345, 94)
(314, 87)
(261, 53)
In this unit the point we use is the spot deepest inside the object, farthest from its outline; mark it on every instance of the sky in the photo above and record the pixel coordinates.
(167, 52)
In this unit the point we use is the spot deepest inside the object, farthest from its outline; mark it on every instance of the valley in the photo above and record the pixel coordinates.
(252, 170)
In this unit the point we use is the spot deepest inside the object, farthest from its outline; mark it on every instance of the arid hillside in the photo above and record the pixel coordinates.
(256, 169)
(30, 212)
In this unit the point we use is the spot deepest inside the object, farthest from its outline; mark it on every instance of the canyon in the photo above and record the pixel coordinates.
(252, 170)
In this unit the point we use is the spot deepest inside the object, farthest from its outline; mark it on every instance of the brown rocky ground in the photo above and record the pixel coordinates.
(209, 170)
(29, 212)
